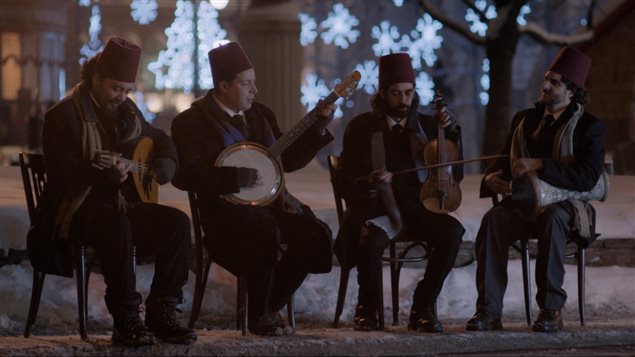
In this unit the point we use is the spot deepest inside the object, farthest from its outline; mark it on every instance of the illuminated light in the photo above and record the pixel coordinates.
(94, 45)
(386, 36)
(308, 32)
(154, 102)
(143, 108)
(368, 71)
(476, 25)
(520, 19)
(219, 4)
(398, 3)
(61, 77)
(484, 96)
(143, 11)
(313, 89)
(425, 88)
(423, 41)
(339, 27)
(84, 3)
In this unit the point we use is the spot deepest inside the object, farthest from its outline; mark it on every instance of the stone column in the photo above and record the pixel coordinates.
(269, 32)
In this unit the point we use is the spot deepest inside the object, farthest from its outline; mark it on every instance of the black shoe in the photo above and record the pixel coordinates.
(548, 321)
(161, 320)
(268, 324)
(424, 322)
(129, 330)
(365, 319)
(483, 321)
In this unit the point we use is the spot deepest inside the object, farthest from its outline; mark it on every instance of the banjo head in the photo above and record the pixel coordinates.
(254, 156)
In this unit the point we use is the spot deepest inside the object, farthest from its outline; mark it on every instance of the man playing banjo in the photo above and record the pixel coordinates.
(245, 238)
(563, 145)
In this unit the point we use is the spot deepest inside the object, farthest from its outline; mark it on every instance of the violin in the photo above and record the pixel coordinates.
(440, 193)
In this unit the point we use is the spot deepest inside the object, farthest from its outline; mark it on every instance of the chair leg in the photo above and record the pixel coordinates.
(581, 282)
(394, 284)
(380, 301)
(341, 294)
(199, 291)
(526, 281)
(243, 305)
(82, 292)
(36, 295)
(290, 313)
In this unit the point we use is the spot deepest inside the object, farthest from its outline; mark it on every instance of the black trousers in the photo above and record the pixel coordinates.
(441, 231)
(275, 249)
(502, 226)
(153, 229)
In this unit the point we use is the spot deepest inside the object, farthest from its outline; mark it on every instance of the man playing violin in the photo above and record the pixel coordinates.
(563, 145)
(83, 198)
(246, 239)
(380, 206)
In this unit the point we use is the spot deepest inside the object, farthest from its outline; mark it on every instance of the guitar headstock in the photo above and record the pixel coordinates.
(348, 85)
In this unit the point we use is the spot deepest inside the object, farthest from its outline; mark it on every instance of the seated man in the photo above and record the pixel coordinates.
(564, 146)
(388, 139)
(246, 239)
(83, 198)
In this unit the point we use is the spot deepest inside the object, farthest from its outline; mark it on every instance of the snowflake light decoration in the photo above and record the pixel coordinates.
(308, 32)
(422, 42)
(313, 89)
(425, 88)
(210, 35)
(174, 67)
(386, 36)
(476, 25)
(398, 3)
(339, 27)
(84, 3)
(484, 96)
(520, 19)
(94, 45)
(143, 11)
(368, 82)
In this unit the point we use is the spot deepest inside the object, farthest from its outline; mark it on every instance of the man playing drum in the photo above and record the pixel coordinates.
(246, 238)
(563, 145)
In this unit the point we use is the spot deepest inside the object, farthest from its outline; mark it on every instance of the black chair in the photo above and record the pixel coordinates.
(34, 180)
(202, 267)
(396, 260)
(522, 247)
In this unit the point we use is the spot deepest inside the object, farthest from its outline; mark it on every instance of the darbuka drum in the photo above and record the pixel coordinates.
(271, 179)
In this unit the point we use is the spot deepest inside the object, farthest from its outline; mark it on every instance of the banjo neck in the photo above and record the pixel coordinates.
(283, 143)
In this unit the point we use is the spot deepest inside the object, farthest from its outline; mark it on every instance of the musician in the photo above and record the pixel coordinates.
(83, 198)
(567, 153)
(392, 138)
(247, 239)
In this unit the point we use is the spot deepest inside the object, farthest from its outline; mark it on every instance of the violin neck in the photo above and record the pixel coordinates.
(441, 141)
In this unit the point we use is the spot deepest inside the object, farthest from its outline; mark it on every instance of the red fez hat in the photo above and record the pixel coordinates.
(571, 64)
(119, 60)
(395, 68)
(227, 61)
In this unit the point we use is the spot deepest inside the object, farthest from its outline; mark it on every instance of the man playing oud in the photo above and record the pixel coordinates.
(245, 239)
(84, 197)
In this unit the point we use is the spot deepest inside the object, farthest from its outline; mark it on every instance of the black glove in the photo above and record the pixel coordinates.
(163, 169)
(246, 177)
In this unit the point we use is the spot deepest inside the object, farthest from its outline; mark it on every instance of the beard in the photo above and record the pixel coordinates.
(398, 112)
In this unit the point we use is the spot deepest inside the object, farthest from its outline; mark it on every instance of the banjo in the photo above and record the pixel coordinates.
(267, 160)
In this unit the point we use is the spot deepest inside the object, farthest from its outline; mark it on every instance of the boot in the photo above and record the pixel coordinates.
(129, 330)
(161, 320)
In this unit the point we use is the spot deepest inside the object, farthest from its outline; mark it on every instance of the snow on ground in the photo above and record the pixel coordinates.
(610, 291)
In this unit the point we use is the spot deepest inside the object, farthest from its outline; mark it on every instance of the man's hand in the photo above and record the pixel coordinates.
(247, 177)
(325, 115)
(445, 118)
(495, 182)
(163, 170)
(122, 169)
(379, 177)
(525, 165)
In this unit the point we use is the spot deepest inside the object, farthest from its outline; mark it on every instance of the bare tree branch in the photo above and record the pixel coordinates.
(460, 28)
(545, 37)
(478, 11)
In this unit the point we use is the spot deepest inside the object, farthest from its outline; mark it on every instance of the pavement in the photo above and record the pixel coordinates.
(615, 338)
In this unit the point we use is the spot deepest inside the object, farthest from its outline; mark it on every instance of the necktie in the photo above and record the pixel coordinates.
(395, 132)
(239, 123)
(543, 129)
